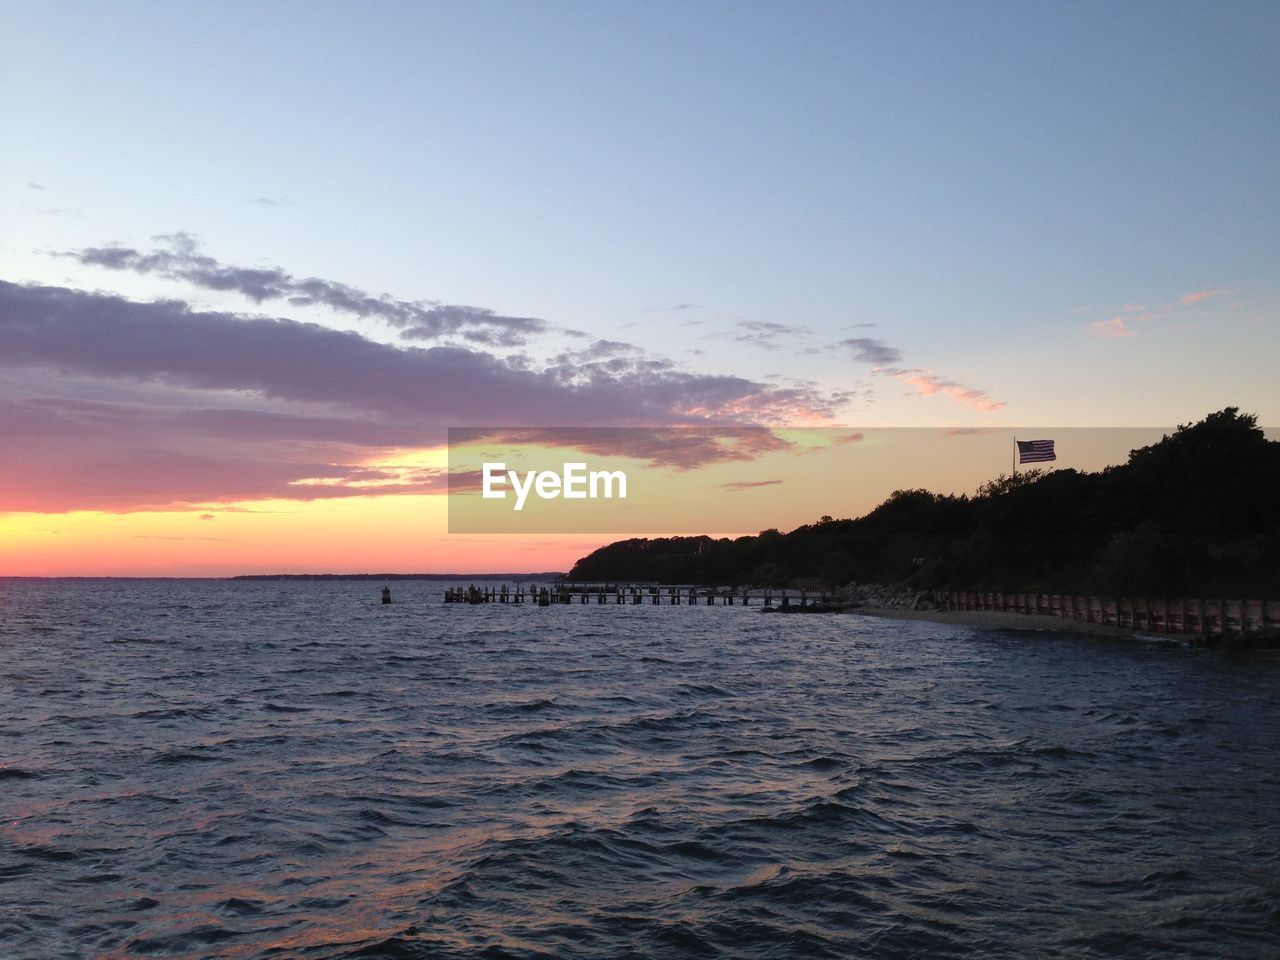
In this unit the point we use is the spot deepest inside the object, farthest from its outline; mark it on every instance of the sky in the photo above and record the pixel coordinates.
(257, 258)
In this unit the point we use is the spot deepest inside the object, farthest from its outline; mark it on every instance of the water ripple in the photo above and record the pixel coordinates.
(263, 770)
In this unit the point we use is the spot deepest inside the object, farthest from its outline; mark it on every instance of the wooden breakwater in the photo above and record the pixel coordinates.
(544, 595)
(1202, 617)
(1191, 616)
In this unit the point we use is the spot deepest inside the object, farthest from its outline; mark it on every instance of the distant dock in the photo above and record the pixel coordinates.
(1207, 619)
(620, 594)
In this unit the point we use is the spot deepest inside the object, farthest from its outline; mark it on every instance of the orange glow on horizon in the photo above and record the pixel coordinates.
(374, 534)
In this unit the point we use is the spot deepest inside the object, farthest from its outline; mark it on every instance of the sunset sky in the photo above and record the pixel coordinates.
(255, 259)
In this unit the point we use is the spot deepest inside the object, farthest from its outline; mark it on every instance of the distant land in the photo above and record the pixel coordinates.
(1196, 514)
(552, 575)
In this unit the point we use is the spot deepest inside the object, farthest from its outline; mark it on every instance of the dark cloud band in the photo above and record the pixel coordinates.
(181, 259)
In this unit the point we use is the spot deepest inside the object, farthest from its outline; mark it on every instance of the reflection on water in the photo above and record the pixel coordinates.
(209, 769)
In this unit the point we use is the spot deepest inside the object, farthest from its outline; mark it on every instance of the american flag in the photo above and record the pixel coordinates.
(1035, 451)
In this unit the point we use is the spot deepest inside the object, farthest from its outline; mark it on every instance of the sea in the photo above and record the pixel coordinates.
(248, 769)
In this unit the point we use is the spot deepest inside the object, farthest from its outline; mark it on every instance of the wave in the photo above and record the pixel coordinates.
(277, 775)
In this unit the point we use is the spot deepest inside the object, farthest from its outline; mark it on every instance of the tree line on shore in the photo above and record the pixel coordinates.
(1197, 513)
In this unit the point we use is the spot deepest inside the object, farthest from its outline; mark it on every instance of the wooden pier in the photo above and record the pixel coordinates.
(1189, 616)
(616, 594)
(1185, 615)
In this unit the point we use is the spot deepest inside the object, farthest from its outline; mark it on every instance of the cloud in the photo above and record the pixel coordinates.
(32, 185)
(1196, 296)
(885, 358)
(764, 327)
(928, 384)
(114, 404)
(738, 485)
(1115, 327)
(1123, 324)
(180, 259)
(111, 337)
(680, 448)
(475, 324)
(843, 438)
(601, 350)
(868, 350)
(121, 456)
(766, 335)
(955, 432)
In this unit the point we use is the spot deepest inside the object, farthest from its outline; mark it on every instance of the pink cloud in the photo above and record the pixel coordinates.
(928, 384)
(1197, 295)
(1115, 327)
(119, 405)
(1130, 313)
(924, 383)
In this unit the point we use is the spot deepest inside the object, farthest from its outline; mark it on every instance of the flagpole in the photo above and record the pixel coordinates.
(1015, 455)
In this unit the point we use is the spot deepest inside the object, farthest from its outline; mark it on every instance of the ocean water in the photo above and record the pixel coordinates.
(261, 770)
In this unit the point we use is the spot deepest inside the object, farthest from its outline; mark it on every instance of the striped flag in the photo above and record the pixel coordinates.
(1035, 451)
